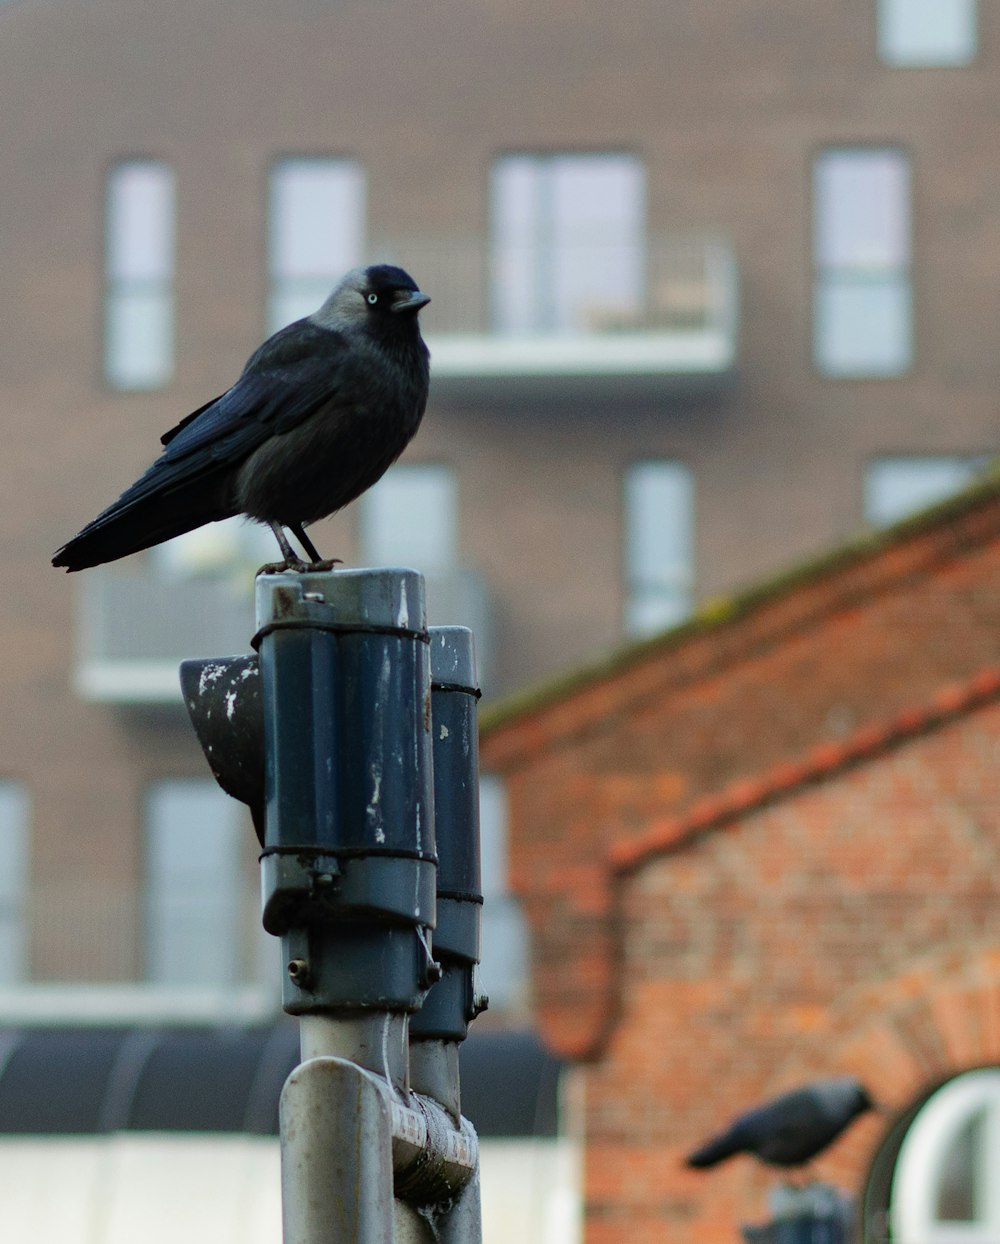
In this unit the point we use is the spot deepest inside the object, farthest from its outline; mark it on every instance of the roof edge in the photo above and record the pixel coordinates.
(823, 761)
(720, 612)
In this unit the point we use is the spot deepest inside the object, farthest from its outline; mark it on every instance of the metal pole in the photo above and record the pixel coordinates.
(348, 877)
(337, 716)
(349, 874)
(442, 1022)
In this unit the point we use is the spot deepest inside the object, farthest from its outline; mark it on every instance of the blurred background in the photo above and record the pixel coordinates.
(715, 293)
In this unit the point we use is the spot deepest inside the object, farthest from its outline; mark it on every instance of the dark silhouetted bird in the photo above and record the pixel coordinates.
(792, 1129)
(321, 410)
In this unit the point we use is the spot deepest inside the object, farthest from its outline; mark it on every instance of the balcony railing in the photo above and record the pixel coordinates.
(98, 950)
(668, 311)
(137, 625)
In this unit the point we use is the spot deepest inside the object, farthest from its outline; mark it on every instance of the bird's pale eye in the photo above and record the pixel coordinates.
(372, 299)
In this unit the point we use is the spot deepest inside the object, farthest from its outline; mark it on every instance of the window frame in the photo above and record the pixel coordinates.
(889, 20)
(969, 467)
(222, 914)
(640, 588)
(15, 889)
(923, 1152)
(304, 290)
(125, 291)
(439, 561)
(860, 274)
(528, 292)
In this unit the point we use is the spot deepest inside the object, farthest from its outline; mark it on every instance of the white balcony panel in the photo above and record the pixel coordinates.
(136, 628)
(640, 353)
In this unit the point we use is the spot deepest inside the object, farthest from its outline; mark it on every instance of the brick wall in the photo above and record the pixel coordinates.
(850, 927)
(765, 852)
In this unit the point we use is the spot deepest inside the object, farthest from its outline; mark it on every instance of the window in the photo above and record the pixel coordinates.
(862, 299)
(139, 276)
(897, 487)
(944, 1187)
(410, 519)
(232, 544)
(195, 885)
(659, 545)
(315, 233)
(926, 32)
(14, 878)
(505, 937)
(568, 240)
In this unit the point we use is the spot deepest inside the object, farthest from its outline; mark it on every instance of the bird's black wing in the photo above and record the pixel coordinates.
(295, 372)
(284, 382)
(770, 1131)
(291, 375)
(787, 1130)
(167, 437)
(733, 1140)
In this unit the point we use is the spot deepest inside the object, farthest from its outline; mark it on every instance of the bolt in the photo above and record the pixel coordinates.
(298, 973)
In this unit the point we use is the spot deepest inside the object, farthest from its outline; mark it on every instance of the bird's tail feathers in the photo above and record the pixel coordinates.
(129, 526)
(714, 1151)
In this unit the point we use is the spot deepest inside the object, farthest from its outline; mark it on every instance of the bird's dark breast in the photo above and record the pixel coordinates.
(332, 457)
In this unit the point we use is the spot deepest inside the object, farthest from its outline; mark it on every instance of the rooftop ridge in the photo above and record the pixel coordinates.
(858, 556)
(823, 760)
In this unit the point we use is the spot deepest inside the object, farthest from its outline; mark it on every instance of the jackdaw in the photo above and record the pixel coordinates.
(320, 412)
(791, 1129)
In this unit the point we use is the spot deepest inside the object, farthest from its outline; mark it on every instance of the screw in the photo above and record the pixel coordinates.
(298, 973)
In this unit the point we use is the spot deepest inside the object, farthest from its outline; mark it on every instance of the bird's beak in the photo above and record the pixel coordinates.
(410, 300)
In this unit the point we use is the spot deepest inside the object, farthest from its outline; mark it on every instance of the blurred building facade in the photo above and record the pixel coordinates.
(713, 285)
(762, 850)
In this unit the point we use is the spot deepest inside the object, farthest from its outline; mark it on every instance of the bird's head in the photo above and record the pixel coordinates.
(380, 297)
(847, 1094)
(866, 1101)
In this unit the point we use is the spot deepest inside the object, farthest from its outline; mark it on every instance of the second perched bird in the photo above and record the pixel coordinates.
(320, 412)
(791, 1129)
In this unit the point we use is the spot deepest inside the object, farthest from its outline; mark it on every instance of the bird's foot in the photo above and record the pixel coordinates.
(295, 565)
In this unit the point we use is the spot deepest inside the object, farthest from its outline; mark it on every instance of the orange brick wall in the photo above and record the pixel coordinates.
(852, 927)
(851, 648)
(848, 922)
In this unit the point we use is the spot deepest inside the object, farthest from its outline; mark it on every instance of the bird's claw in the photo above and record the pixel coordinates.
(295, 565)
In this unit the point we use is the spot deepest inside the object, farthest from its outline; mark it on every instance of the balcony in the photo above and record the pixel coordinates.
(137, 625)
(95, 950)
(581, 323)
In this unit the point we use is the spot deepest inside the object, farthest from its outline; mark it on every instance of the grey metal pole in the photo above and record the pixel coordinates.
(349, 875)
(442, 1022)
(337, 716)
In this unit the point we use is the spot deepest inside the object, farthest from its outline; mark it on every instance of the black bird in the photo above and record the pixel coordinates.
(791, 1129)
(321, 411)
